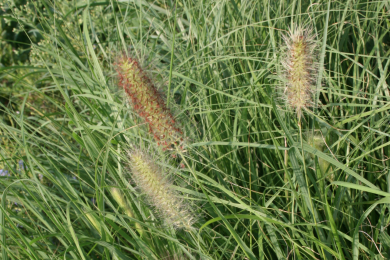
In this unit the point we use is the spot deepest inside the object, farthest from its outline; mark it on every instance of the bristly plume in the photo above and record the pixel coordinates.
(148, 103)
(152, 181)
(300, 68)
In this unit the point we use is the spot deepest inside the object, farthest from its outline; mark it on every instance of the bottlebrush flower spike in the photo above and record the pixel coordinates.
(152, 182)
(148, 103)
(300, 68)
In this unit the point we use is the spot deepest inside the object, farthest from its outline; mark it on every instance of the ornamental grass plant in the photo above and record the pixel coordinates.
(307, 178)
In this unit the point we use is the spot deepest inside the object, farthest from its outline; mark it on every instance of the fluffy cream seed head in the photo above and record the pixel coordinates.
(154, 184)
(300, 68)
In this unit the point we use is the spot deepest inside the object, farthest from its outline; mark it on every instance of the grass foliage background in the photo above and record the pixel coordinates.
(261, 189)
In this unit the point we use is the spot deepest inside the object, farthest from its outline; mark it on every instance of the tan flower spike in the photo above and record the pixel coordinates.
(300, 68)
(150, 179)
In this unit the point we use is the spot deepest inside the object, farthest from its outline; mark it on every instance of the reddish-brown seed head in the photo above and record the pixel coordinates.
(148, 103)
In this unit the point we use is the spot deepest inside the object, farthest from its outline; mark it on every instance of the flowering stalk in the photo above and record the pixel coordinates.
(94, 222)
(151, 181)
(120, 199)
(148, 103)
(318, 143)
(300, 68)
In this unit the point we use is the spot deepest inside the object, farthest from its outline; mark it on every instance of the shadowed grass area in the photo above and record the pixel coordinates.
(262, 182)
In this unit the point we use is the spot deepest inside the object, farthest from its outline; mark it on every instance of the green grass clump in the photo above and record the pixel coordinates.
(262, 181)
